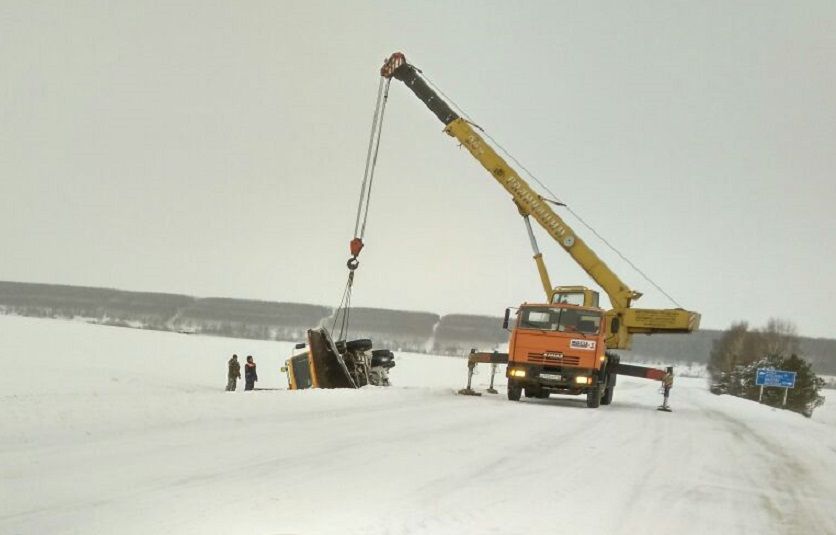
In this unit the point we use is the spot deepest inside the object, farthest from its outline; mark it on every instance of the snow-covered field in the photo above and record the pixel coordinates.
(111, 430)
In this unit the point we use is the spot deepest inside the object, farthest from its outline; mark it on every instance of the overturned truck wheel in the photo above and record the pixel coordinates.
(383, 358)
(361, 344)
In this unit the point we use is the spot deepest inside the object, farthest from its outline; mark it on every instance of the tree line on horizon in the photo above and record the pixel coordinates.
(420, 332)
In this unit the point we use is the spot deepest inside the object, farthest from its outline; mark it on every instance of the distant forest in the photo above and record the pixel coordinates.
(420, 332)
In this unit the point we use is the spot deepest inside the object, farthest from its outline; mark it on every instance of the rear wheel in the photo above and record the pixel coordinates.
(613, 360)
(607, 399)
(514, 391)
(593, 398)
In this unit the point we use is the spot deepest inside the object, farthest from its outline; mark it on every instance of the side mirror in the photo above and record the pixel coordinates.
(300, 345)
(284, 369)
(507, 317)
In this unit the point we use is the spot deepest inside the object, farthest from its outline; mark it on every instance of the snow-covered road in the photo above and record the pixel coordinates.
(109, 430)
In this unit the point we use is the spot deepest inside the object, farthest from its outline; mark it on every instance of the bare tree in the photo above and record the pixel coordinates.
(778, 338)
(730, 350)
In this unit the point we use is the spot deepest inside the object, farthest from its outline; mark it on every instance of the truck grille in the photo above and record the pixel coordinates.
(565, 360)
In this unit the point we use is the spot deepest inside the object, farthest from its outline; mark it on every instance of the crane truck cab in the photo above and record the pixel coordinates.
(560, 348)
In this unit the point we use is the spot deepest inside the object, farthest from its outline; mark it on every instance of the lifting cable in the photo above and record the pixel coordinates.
(554, 200)
(344, 309)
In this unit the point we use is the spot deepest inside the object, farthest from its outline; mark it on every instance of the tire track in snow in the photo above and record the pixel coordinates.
(790, 493)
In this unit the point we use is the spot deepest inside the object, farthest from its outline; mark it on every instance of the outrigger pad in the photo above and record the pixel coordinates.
(328, 364)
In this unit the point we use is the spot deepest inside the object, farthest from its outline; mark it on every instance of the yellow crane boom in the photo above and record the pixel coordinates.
(622, 319)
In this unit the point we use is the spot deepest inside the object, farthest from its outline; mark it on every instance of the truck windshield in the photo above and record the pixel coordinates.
(560, 320)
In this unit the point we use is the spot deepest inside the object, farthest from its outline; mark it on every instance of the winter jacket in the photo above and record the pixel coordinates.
(249, 371)
(234, 369)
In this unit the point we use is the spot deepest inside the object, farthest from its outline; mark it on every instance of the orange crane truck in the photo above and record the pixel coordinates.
(559, 345)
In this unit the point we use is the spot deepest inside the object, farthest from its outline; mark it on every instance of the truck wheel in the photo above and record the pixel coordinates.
(613, 360)
(514, 391)
(593, 398)
(608, 392)
(361, 344)
(530, 392)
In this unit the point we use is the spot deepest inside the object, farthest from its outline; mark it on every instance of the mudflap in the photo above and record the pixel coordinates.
(327, 364)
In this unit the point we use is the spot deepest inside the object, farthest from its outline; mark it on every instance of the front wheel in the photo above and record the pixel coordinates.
(514, 391)
(593, 398)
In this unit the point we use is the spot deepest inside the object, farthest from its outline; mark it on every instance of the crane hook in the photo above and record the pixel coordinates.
(355, 247)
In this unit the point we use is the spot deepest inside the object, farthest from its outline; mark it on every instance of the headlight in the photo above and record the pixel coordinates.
(517, 373)
(582, 379)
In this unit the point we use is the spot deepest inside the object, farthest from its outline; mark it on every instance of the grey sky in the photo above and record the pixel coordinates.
(216, 149)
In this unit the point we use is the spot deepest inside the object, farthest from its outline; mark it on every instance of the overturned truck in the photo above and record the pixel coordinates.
(325, 363)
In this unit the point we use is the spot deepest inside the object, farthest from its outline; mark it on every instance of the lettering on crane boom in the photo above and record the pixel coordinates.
(521, 191)
(659, 318)
(539, 209)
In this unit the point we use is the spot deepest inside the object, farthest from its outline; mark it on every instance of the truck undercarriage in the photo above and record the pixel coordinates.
(341, 364)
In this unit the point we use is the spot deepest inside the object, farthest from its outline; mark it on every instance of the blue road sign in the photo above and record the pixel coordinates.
(780, 378)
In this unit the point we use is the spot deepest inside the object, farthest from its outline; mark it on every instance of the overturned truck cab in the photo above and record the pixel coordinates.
(342, 364)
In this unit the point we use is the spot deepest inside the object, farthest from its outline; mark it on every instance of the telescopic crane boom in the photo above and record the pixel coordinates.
(622, 321)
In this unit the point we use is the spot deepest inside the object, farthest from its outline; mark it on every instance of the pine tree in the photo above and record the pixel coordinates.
(805, 397)
(740, 352)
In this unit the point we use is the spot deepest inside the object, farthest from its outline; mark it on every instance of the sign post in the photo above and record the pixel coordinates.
(780, 378)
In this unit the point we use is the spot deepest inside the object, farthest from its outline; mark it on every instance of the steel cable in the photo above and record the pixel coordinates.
(555, 198)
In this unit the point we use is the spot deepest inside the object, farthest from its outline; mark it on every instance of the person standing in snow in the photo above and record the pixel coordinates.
(234, 374)
(667, 383)
(250, 376)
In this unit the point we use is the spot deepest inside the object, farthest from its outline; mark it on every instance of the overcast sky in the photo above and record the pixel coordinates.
(217, 149)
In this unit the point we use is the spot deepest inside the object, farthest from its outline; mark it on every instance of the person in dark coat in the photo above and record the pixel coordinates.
(234, 374)
(250, 375)
(667, 383)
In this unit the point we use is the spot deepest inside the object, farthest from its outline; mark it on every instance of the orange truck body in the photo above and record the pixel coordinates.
(560, 348)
